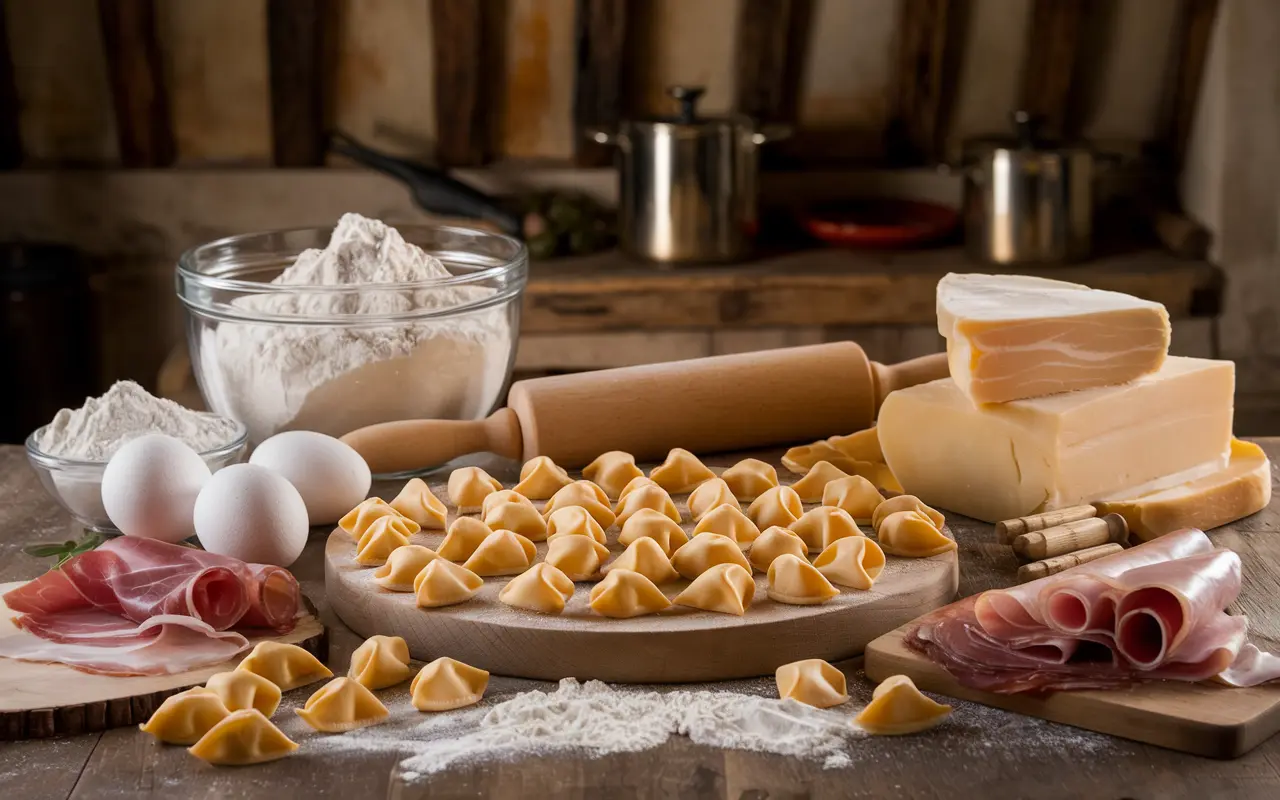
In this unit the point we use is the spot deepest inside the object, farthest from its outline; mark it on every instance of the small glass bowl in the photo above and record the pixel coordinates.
(77, 485)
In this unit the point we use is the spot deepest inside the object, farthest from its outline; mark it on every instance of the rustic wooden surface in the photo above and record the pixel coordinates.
(980, 753)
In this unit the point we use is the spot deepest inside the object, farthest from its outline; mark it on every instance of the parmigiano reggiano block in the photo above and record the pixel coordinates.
(1243, 488)
(1003, 461)
(1012, 337)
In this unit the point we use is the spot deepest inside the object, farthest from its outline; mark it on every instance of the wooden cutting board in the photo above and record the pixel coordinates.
(1199, 718)
(41, 700)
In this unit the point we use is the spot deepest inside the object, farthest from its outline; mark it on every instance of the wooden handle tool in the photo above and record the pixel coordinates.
(708, 405)
(1011, 529)
(1073, 536)
(1052, 566)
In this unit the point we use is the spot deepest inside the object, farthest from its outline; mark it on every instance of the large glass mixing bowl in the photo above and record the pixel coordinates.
(332, 358)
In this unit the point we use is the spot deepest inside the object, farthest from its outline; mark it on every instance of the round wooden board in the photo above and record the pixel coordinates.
(676, 645)
(42, 700)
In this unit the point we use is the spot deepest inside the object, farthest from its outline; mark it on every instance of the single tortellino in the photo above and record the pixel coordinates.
(905, 502)
(518, 517)
(464, 536)
(243, 737)
(469, 486)
(612, 471)
(855, 494)
(241, 689)
(503, 496)
(711, 494)
(813, 682)
(342, 705)
(540, 478)
(750, 478)
(286, 665)
(446, 684)
(794, 581)
(542, 588)
(860, 445)
(680, 472)
(779, 506)
(729, 521)
(801, 459)
(855, 561)
(772, 543)
(706, 550)
(814, 482)
(502, 553)
(574, 521)
(624, 594)
(578, 557)
(357, 520)
(650, 524)
(898, 707)
(403, 565)
(724, 588)
(380, 662)
(582, 494)
(650, 497)
(912, 535)
(646, 556)
(634, 484)
(417, 503)
(186, 716)
(444, 583)
(380, 539)
(821, 526)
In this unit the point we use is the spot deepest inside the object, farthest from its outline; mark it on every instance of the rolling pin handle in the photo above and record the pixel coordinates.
(417, 444)
(889, 378)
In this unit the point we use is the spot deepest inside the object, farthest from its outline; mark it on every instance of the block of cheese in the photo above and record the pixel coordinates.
(1011, 337)
(1243, 488)
(1009, 460)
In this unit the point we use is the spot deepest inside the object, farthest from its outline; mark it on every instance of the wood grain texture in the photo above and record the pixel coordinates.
(1183, 77)
(467, 49)
(1049, 69)
(769, 57)
(686, 44)
(929, 36)
(535, 107)
(38, 701)
(298, 38)
(138, 88)
(602, 73)
(10, 132)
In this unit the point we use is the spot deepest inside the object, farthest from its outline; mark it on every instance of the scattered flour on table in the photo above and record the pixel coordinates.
(96, 430)
(333, 379)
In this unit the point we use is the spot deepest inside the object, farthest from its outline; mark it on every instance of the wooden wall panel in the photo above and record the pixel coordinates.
(139, 91)
(59, 70)
(385, 75)
(990, 69)
(1126, 76)
(1051, 85)
(215, 55)
(604, 61)
(10, 133)
(537, 104)
(468, 41)
(689, 43)
(298, 43)
(1184, 76)
(769, 56)
(930, 38)
(850, 64)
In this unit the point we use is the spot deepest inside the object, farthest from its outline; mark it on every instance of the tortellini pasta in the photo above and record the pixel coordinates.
(342, 705)
(801, 459)
(634, 484)
(241, 689)
(446, 684)
(779, 506)
(417, 503)
(855, 494)
(646, 556)
(403, 565)
(286, 665)
(578, 557)
(542, 588)
(540, 478)
(813, 682)
(860, 445)
(357, 520)
(772, 543)
(898, 707)
(574, 521)
(241, 738)
(708, 495)
(811, 486)
(912, 535)
(469, 486)
(444, 583)
(855, 561)
(518, 517)
(821, 526)
(647, 523)
(503, 496)
(502, 553)
(706, 550)
(624, 594)
(186, 716)
(750, 478)
(729, 521)
(647, 496)
(380, 662)
(905, 502)
(464, 536)
(680, 472)
(380, 539)
(794, 581)
(724, 588)
(612, 471)
(582, 494)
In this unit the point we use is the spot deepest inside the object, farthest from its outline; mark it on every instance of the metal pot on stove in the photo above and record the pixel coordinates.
(687, 184)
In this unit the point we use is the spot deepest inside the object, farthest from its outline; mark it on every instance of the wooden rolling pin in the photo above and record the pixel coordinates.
(708, 405)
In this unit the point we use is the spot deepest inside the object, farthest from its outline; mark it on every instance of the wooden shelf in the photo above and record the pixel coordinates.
(821, 287)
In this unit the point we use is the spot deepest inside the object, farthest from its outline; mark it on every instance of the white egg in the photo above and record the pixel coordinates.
(329, 474)
(248, 512)
(150, 485)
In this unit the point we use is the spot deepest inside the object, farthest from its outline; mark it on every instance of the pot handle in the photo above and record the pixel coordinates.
(601, 134)
(770, 133)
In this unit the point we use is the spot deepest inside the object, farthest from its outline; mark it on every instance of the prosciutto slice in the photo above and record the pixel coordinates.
(1153, 612)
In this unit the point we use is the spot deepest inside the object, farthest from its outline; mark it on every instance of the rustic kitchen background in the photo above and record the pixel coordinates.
(131, 130)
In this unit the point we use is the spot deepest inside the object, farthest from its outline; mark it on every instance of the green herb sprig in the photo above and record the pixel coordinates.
(65, 550)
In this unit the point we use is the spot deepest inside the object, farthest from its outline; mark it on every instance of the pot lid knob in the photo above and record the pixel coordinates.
(688, 98)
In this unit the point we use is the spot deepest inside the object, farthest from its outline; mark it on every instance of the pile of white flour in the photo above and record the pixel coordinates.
(333, 379)
(96, 430)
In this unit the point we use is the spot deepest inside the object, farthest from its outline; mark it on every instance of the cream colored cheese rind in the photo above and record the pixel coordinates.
(1008, 460)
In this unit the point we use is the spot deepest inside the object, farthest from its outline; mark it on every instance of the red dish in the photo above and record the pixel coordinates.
(880, 222)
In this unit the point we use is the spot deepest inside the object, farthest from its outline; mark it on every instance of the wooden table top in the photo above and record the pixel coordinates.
(979, 752)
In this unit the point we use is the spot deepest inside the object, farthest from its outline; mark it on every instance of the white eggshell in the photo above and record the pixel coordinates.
(248, 512)
(329, 474)
(150, 485)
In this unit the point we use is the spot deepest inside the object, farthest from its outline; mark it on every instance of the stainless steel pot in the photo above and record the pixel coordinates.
(687, 184)
(1028, 201)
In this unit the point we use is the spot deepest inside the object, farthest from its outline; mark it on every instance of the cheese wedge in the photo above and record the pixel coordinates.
(1003, 461)
(1011, 337)
(1243, 488)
